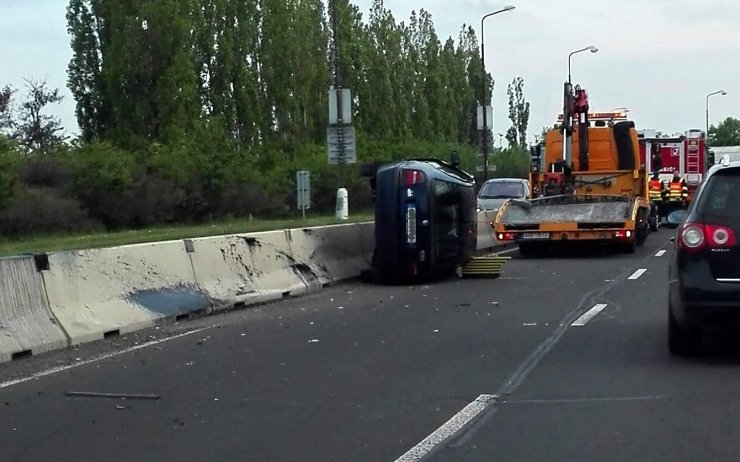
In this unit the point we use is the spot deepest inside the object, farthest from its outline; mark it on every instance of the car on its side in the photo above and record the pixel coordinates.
(425, 223)
(704, 274)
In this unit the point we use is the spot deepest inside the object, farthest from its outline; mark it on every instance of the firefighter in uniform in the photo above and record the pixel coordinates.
(678, 190)
(657, 188)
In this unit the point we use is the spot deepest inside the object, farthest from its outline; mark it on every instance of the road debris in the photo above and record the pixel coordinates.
(132, 396)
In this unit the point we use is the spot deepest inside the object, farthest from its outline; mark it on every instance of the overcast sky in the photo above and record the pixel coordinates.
(659, 58)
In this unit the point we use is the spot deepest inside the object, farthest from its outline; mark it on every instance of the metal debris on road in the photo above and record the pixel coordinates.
(313, 340)
(91, 394)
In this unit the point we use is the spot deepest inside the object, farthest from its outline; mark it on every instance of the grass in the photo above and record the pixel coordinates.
(59, 242)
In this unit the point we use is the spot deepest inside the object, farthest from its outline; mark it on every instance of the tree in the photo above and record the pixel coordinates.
(518, 114)
(727, 133)
(6, 110)
(84, 70)
(35, 130)
(512, 162)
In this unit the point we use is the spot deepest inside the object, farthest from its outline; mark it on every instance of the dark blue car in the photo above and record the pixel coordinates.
(704, 283)
(425, 219)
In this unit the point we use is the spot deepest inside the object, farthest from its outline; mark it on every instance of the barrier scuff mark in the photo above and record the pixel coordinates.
(171, 300)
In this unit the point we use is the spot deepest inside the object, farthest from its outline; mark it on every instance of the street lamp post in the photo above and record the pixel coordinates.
(567, 121)
(484, 143)
(718, 92)
(591, 48)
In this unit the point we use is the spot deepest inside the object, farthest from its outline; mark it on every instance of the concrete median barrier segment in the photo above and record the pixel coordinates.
(245, 269)
(334, 253)
(101, 292)
(27, 326)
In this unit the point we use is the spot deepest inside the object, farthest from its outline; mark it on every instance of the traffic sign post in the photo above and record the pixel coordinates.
(340, 136)
(485, 135)
(303, 191)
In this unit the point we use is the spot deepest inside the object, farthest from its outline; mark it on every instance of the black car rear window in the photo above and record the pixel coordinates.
(721, 196)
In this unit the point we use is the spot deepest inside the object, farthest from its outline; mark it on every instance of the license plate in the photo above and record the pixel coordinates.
(411, 225)
(536, 236)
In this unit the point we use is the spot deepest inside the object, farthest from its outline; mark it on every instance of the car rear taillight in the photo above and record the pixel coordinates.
(719, 236)
(412, 177)
(506, 236)
(696, 236)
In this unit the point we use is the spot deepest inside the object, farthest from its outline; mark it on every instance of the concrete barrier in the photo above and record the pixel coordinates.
(245, 269)
(101, 292)
(334, 253)
(27, 326)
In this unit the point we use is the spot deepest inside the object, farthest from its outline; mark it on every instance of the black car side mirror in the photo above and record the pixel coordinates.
(455, 158)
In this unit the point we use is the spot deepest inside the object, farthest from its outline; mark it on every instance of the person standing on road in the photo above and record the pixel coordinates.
(657, 188)
(678, 189)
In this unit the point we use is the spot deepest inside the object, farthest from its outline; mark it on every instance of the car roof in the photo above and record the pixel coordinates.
(724, 164)
(506, 180)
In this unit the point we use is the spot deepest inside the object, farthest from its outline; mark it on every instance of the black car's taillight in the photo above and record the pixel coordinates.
(697, 236)
(413, 177)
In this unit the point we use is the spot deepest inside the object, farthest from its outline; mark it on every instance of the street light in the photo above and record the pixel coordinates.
(567, 122)
(483, 84)
(591, 48)
(718, 92)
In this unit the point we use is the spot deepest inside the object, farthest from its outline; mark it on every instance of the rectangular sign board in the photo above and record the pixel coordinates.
(303, 188)
(341, 145)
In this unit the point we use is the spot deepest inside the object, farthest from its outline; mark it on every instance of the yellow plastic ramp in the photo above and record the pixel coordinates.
(488, 266)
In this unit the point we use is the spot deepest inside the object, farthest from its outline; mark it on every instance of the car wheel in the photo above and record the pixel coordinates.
(681, 342)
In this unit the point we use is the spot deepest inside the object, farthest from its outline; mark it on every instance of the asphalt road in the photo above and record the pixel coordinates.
(458, 370)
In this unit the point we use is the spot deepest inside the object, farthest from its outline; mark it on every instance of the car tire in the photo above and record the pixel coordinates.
(681, 342)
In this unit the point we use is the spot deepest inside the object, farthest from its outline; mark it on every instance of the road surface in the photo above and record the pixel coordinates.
(563, 358)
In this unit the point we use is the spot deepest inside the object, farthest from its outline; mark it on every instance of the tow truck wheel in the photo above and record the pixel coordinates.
(643, 227)
(630, 247)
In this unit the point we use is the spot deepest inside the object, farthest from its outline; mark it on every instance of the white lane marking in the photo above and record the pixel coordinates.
(661, 253)
(515, 249)
(452, 426)
(589, 315)
(56, 370)
(637, 274)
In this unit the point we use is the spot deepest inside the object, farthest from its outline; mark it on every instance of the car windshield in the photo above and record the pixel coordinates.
(502, 190)
(721, 195)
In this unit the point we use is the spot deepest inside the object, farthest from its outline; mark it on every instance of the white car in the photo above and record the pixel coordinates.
(495, 192)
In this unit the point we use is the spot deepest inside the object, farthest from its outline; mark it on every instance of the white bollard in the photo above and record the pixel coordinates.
(342, 204)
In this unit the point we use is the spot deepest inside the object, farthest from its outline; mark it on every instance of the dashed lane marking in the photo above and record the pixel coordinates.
(589, 315)
(637, 274)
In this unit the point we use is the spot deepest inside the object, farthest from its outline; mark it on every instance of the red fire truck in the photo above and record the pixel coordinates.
(683, 153)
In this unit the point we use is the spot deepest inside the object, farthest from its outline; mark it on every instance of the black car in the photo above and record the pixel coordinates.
(425, 219)
(704, 281)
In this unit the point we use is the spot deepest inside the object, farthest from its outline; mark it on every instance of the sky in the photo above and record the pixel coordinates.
(658, 58)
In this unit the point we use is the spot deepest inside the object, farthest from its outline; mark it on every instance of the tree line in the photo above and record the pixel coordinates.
(193, 110)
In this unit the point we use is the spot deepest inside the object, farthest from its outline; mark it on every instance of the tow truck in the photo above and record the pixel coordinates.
(590, 187)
